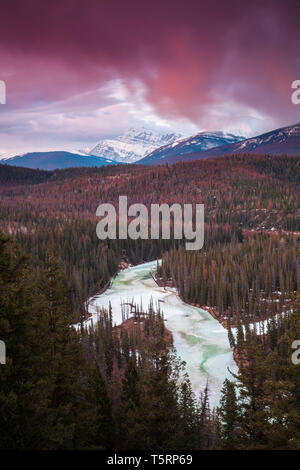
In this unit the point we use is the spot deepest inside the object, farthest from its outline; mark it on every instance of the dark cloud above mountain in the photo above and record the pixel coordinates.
(188, 55)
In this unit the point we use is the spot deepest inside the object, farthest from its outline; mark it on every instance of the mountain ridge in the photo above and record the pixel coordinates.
(133, 145)
(56, 159)
(200, 141)
(284, 140)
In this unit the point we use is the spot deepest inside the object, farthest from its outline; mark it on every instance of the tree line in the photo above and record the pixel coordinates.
(252, 277)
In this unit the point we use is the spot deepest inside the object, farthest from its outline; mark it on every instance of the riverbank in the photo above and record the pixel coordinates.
(124, 264)
(200, 341)
(223, 318)
(211, 310)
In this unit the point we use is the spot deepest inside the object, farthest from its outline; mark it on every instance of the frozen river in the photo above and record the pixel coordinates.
(198, 338)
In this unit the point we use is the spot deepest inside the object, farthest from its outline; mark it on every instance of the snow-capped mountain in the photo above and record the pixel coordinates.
(133, 144)
(283, 141)
(198, 142)
(4, 156)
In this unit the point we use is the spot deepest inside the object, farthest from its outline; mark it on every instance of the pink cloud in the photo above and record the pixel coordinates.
(189, 55)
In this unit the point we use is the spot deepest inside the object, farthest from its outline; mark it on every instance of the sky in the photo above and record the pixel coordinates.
(79, 71)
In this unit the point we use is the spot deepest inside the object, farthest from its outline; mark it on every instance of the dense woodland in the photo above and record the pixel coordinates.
(57, 208)
(96, 389)
(252, 276)
(125, 388)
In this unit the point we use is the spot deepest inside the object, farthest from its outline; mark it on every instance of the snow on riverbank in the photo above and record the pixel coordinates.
(198, 338)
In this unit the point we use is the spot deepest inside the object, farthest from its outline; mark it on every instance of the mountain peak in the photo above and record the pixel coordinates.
(285, 140)
(133, 144)
(198, 142)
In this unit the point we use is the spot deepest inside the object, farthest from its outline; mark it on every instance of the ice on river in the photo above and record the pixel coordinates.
(199, 339)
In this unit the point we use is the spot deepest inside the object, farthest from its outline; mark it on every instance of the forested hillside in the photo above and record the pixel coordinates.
(251, 277)
(58, 208)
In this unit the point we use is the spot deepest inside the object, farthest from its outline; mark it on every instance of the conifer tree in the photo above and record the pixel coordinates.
(66, 360)
(101, 424)
(24, 382)
(228, 414)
